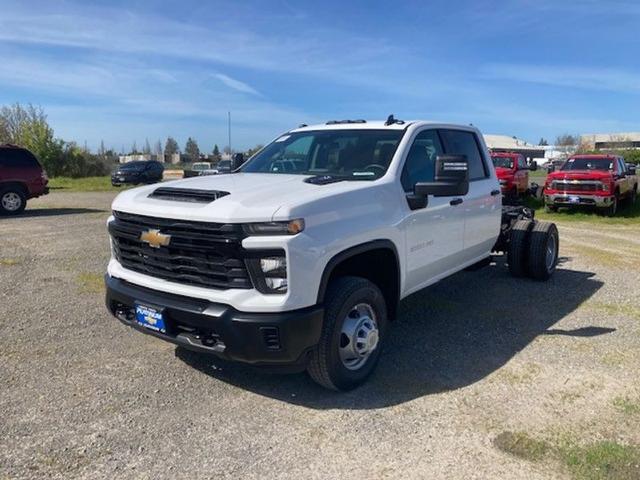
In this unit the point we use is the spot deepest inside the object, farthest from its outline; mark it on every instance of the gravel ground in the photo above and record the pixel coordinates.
(474, 356)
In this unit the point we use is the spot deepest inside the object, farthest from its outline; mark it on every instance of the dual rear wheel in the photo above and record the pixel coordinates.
(533, 249)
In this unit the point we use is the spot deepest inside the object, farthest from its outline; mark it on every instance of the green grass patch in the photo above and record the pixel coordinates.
(603, 460)
(627, 406)
(9, 262)
(627, 215)
(90, 282)
(594, 461)
(88, 184)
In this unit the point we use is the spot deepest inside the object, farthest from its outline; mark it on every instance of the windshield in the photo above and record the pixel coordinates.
(133, 166)
(588, 164)
(349, 154)
(224, 165)
(504, 162)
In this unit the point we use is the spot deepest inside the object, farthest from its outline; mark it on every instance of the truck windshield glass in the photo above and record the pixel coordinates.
(348, 154)
(588, 164)
(504, 162)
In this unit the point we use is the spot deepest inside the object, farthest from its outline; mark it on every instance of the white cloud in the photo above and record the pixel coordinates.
(236, 84)
(601, 78)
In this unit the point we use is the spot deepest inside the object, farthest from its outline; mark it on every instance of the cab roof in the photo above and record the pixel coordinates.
(375, 125)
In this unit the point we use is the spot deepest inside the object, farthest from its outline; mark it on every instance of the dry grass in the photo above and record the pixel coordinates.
(89, 282)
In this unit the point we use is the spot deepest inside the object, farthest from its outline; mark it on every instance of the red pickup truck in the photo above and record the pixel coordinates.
(600, 181)
(513, 172)
(21, 178)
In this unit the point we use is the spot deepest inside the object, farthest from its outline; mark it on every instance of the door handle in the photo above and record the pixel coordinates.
(495, 192)
(455, 201)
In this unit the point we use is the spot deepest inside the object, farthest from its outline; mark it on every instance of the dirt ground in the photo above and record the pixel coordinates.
(476, 357)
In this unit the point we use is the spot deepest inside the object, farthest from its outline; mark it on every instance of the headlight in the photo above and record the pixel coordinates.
(269, 273)
(291, 227)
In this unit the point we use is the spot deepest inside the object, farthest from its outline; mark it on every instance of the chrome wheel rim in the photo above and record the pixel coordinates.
(11, 201)
(551, 252)
(359, 336)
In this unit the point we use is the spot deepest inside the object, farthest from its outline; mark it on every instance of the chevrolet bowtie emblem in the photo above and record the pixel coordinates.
(155, 239)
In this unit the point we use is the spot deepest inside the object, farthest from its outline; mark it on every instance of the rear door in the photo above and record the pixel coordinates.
(434, 234)
(482, 205)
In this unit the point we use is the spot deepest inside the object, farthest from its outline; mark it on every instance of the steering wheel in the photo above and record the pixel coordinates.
(375, 166)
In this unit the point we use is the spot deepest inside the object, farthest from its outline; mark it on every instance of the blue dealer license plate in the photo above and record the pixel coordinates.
(574, 199)
(150, 318)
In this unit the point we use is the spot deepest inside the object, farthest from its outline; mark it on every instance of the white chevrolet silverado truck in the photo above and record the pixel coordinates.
(298, 259)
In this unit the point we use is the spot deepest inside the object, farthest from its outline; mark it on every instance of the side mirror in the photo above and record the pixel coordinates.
(533, 166)
(451, 178)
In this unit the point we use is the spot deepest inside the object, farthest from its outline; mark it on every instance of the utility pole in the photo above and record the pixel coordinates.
(229, 128)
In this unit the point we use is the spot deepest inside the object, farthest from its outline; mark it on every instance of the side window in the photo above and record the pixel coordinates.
(622, 166)
(459, 142)
(522, 163)
(16, 158)
(420, 165)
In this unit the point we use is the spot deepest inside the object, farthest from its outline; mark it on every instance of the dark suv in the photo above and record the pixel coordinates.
(148, 171)
(21, 178)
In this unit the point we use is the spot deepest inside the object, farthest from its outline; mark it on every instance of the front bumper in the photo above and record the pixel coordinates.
(266, 339)
(569, 199)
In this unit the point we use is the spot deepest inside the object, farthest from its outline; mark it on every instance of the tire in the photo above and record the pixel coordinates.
(518, 247)
(544, 245)
(613, 208)
(12, 201)
(349, 302)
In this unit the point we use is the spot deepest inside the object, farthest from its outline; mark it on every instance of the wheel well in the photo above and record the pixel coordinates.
(377, 262)
(19, 185)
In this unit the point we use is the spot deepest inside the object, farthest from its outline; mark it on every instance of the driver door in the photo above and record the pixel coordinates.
(434, 234)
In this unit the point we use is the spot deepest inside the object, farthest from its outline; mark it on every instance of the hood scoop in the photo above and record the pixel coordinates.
(187, 195)
(323, 179)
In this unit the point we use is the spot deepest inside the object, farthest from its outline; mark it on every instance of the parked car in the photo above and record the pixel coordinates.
(199, 169)
(513, 173)
(305, 269)
(21, 178)
(148, 171)
(224, 166)
(599, 181)
(553, 165)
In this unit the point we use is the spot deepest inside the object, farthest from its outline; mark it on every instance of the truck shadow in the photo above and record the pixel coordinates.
(446, 337)
(54, 212)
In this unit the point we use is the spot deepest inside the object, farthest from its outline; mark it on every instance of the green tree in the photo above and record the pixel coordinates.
(171, 147)
(29, 128)
(543, 142)
(147, 147)
(216, 151)
(192, 150)
(252, 151)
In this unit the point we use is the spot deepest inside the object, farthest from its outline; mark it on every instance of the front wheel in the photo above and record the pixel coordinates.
(612, 209)
(353, 332)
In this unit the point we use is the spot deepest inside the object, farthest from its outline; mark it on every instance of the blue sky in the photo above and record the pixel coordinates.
(124, 71)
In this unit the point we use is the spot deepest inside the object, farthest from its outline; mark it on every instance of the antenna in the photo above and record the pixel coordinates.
(229, 127)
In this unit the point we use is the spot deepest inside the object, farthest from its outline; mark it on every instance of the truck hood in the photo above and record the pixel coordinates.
(252, 197)
(504, 173)
(580, 175)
